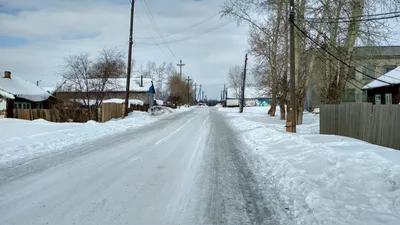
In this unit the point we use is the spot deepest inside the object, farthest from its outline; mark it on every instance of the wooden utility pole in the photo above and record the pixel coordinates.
(180, 67)
(188, 90)
(202, 95)
(291, 122)
(243, 85)
(128, 74)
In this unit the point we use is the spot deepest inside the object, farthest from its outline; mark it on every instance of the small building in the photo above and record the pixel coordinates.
(140, 89)
(253, 96)
(21, 94)
(386, 90)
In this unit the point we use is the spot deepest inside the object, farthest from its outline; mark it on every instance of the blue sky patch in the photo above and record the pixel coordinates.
(6, 41)
(5, 10)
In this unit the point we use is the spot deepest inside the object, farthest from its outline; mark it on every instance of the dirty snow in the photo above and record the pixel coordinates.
(321, 179)
(29, 139)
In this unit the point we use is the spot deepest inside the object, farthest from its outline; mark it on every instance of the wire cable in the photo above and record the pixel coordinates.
(341, 51)
(185, 29)
(150, 16)
(158, 45)
(340, 60)
(348, 18)
(191, 37)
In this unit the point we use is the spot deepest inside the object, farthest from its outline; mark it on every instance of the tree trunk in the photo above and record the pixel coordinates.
(283, 110)
(272, 110)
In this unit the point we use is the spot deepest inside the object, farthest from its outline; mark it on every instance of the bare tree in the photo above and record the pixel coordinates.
(235, 78)
(89, 81)
(179, 89)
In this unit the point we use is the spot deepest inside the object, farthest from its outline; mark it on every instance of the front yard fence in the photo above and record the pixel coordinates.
(376, 124)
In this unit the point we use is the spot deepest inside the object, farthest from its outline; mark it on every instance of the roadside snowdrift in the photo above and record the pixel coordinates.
(23, 139)
(321, 179)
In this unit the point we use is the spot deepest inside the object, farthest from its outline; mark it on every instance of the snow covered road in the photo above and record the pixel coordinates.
(185, 169)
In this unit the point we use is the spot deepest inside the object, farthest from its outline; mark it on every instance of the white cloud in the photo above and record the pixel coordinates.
(56, 28)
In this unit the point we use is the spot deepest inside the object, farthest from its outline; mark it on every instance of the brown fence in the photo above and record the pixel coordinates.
(110, 111)
(377, 124)
(56, 115)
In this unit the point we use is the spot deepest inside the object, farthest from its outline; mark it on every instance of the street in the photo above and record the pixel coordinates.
(186, 169)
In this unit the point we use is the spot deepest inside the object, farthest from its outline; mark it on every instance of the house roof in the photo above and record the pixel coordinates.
(113, 84)
(250, 92)
(392, 77)
(17, 87)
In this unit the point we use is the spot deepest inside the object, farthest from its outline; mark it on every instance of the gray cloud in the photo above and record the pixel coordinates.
(57, 28)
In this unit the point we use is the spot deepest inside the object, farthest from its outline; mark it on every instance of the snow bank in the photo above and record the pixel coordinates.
(321, 179)
(29, 139)
(121, 101)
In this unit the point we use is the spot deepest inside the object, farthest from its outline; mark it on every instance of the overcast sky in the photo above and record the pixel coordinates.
(36, 35)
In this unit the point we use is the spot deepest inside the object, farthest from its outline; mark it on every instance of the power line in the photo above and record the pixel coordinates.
(152, 20)
(316, 43)
(351, 17)
(185, 29)
(190, 37)
(158, 45)
(340, 51)
(356, 20)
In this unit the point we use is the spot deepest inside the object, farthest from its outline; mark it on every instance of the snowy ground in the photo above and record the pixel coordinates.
(25, 140)
(320, 179)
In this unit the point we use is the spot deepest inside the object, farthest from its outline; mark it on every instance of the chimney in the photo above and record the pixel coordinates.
(141, 81)
(7, 74)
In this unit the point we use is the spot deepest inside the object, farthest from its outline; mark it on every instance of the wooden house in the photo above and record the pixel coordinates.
(21, 94)
(386, 89)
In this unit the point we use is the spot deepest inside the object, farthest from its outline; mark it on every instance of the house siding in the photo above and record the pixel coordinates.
(394, 90)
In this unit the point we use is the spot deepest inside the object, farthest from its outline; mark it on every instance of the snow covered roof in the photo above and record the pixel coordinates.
(113, 84)
(17, 87)
(250, 92)
(392, 77)
(121, 101)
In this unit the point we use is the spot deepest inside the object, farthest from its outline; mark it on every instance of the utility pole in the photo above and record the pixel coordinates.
(202, 95)
(195, 92)
(37, 82)
(188, 90)
(291, 125)
(128, 74)
(180, 67)
(243, 85)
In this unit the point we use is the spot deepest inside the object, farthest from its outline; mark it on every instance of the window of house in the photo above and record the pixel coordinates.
(369, 71)
(388, 99)
(378, 99)
(349, 95)
(389, 68)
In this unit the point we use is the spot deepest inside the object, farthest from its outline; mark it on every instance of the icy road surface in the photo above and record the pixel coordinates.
(186, 169)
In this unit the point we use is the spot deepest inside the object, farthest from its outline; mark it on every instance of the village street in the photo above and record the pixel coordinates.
(184, 169)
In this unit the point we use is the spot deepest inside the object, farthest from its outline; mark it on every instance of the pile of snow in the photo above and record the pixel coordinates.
(14, 86)
(320, 179)
(159, 102)
(30, 139)
(122, 101)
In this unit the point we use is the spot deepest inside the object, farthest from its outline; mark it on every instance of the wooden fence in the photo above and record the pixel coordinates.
(104, 113)
(56, 115)
(110, 111)
(376, 124)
